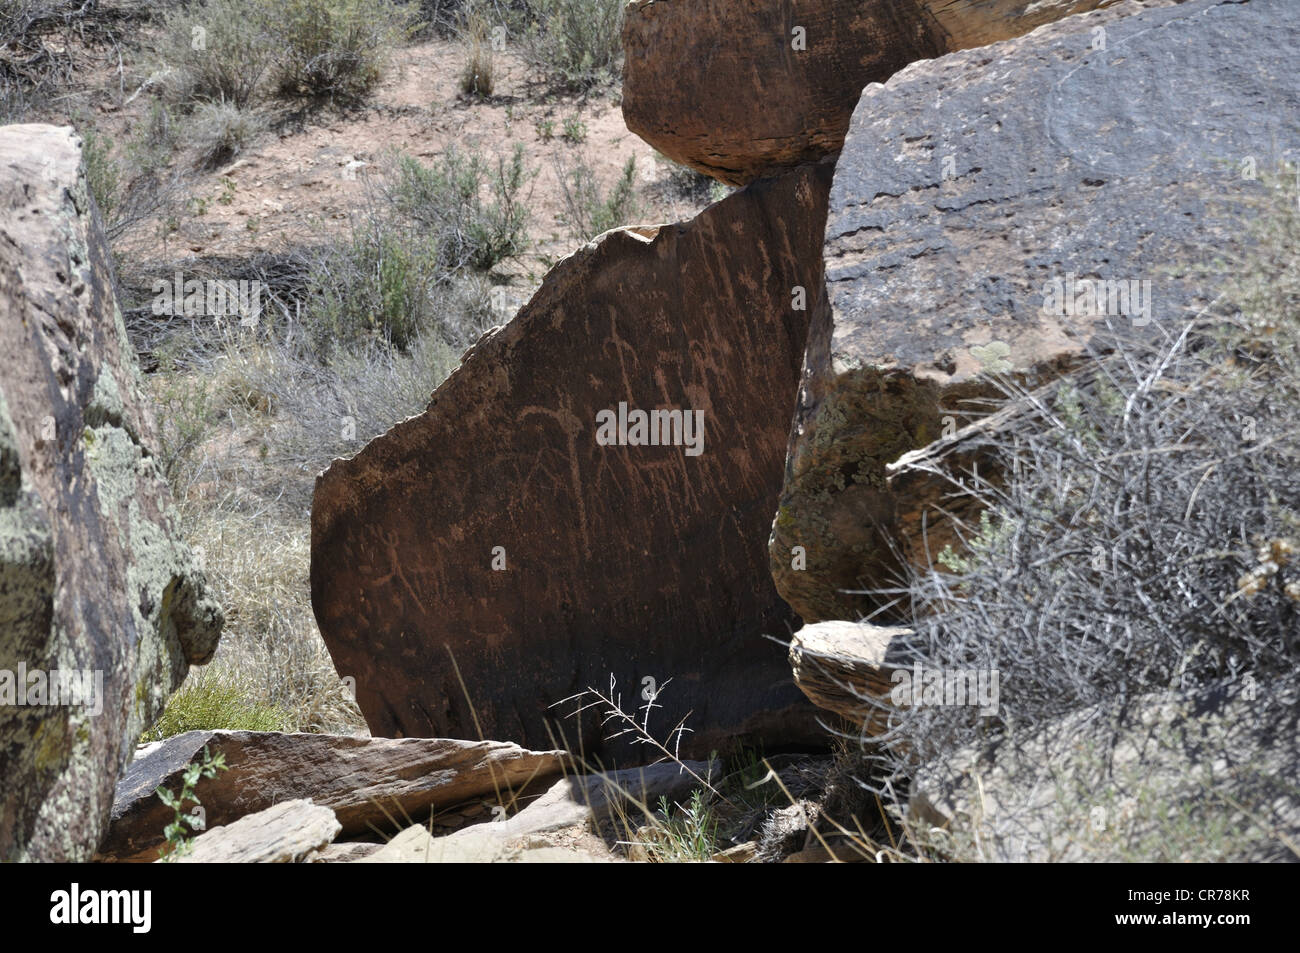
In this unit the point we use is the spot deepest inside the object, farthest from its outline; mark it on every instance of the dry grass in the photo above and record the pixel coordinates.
(271, 650)
(244, 435)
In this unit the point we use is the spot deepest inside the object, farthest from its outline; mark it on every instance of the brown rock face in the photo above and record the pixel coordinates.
(847, 668)
(97, 594)
(498, 530)
(740, 89)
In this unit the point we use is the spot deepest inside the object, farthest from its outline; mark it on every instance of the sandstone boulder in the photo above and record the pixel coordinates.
(292, 832)
(520, 542)
(848, 667)
(371, 784)
(734, 89)
(977, 196)
(102, 608)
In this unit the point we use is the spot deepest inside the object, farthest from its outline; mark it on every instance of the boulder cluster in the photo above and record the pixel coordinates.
(676, 476)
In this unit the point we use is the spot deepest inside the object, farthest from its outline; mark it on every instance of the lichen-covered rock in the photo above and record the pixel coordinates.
(97, 595)
(992, 210)
(507, 548)
(740, 89)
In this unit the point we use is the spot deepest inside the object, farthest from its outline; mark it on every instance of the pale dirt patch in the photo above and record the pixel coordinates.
(302, 179)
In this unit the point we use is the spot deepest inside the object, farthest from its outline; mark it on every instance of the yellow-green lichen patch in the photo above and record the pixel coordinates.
(836, 502)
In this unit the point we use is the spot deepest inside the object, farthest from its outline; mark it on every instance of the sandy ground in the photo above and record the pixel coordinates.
(305, 176)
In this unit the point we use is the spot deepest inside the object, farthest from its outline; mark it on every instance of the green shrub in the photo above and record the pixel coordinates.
(154, 139)
(684, 182)
(217, 50)
(446, 18)
(588, 211)
(209, 703)
(575, 130)
(427, 226)
(130, 179)
(378, 285)
(472, 208)
(337, 49)
(575, 43)
(221, 130)
(333, 49)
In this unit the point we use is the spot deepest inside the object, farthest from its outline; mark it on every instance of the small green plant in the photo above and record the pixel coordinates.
(129, 181)
(545, 129)
(178, 842)
(154, 140)
(589, 212)
(228, 190)
(990, 536)
(185, 413)
(684, 834)
(103, 177)
(575, 130)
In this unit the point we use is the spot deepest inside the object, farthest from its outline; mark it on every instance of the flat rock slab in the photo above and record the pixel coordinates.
(495, 546)
(102, 605)
(974, 194)
(415, 846)
(579, 802)
(371, 784)
(741, 89)
(288, 833)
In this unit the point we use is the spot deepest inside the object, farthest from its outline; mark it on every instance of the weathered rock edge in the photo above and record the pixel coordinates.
(371, 784)
(94, 577)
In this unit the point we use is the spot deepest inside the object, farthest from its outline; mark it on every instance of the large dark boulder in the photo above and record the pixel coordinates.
(491, 557)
